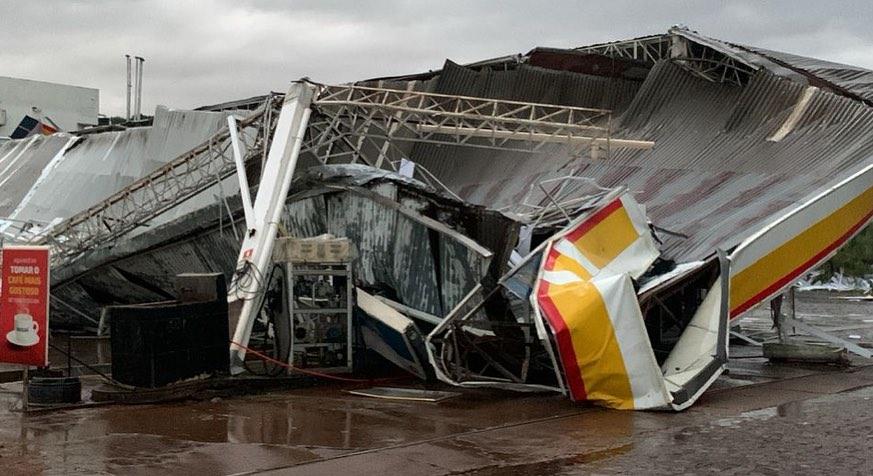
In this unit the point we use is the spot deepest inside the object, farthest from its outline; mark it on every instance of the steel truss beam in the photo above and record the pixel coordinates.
(168, 186)
(649, 49)
(707, 59)
(348, 124)
(351, 118)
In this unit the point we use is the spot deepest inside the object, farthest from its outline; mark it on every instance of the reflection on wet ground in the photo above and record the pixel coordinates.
(288, 427)
(554, 466)
(323, 430)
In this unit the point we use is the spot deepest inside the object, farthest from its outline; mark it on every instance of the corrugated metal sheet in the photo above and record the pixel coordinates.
(428, 270)
(856, 80)
(21, 162)
(97, 165)
(145, 276)
(534, 84)
(712, 175)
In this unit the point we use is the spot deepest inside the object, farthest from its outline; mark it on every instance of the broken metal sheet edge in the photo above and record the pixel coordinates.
(391, 334)
(540, 326)
(411, 312)
(707, 358)
(424, 220)
(405, 394)
(205, 221)
(691, 387)
(592, 309)
(131, 254)
(437, 363)
(696, 360)
(674, 275)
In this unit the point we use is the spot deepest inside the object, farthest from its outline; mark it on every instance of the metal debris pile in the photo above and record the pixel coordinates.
(585, 221)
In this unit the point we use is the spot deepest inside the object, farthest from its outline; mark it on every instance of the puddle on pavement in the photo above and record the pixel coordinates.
(293, 423)
(785, 410)
(258, 431)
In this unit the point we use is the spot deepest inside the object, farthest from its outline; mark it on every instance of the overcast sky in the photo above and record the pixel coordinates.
(203, 52)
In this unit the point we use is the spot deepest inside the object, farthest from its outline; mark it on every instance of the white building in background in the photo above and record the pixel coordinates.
(58, 106)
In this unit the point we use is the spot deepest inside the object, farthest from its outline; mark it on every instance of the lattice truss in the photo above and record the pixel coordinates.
(700, 59)
(166, 187)
(648, 49)
(714, 66)
(349, 124)
(376, 125)
(491, 336)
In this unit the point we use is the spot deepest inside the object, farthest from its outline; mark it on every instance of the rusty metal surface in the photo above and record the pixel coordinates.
(429, 269)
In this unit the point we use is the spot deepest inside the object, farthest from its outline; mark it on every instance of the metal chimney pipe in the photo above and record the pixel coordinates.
(135, 88)
(127, 114)
(140, 62)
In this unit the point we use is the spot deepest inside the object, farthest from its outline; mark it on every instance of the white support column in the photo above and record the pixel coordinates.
(255, 257)
(239, 158)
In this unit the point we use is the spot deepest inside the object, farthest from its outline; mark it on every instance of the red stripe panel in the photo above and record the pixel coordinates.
(565, 344)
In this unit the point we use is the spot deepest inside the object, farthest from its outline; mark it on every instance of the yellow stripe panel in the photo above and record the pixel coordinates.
(797, 251)
(565, 263)
(608, 239)
(584, 312)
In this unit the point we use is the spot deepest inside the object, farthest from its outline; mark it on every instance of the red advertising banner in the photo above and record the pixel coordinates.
(24, 295)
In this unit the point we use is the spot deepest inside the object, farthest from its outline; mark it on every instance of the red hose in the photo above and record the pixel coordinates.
(309, 372)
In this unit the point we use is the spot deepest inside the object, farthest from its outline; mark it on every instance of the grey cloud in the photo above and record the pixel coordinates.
(215, 50)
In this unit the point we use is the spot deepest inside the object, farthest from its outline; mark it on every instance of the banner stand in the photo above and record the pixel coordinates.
(24, 310)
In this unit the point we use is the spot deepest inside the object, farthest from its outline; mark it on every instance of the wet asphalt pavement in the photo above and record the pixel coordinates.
(761, 418)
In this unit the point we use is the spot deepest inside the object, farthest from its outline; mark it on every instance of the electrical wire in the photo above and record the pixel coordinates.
(253, 352)
(312, 373)
(244, 276)
(275, 371)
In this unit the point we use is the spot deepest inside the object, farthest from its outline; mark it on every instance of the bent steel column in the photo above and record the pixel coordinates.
(255, 254)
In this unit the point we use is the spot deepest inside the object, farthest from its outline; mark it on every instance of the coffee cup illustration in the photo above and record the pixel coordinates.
(26, 331)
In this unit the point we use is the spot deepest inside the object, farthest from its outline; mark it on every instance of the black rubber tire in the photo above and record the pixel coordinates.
(52, 391)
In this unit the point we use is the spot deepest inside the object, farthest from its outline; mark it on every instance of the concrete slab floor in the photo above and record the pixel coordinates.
(324, 430)
(760, 418)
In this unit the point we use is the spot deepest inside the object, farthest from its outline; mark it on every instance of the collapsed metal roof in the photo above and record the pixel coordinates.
(713, 175)
(744, 167)
(742, 136)
(851, 80)
(718, 172)
(50, 178)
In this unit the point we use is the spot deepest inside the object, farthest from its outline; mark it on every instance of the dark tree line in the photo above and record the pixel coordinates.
(855, 259)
